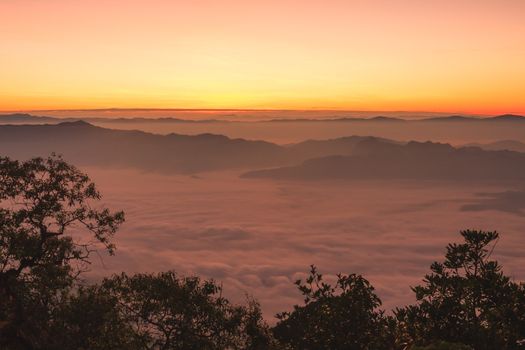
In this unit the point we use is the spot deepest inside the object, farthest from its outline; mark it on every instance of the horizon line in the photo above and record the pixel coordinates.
(181, 109)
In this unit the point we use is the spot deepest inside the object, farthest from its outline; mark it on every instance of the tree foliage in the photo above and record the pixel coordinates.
(343, 316)
(171, 312)
(442, 345)
(48, 228)
(158, 311)
(41, 201)
(467, 299)
(89, 318)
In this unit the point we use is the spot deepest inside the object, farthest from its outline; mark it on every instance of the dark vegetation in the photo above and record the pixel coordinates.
(49, 228)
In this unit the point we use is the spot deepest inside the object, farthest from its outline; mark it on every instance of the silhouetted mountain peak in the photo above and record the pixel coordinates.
(382, 118)
(511, 145)
(76, 123)
(509, 117)
(371, 144)
(209, 136)
(25, 118)
(429, 145)
(452, 118)
(414, 160)
(17, 115)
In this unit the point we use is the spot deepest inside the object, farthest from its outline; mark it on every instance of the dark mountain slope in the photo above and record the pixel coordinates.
(339, 146)
(416, 161)
(85, 144)
(509, 145)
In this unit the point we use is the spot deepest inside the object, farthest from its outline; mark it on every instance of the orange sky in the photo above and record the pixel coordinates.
(459, 56)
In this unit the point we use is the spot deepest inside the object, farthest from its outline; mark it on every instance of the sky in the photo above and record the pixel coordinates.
(464, 56)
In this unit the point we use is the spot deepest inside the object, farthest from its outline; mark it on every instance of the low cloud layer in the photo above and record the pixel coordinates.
(512, 202)
(257, 237)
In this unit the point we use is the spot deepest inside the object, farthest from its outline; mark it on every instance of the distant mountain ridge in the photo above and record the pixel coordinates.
(509, 145)
(353, 157)
(86, 144)
(20, 118)
(26, 118)
(374, 159)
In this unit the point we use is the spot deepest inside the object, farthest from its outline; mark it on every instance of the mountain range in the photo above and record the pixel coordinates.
(509, 145)
(354, 157)
(86, 144)
(20, 118)
(373, 159)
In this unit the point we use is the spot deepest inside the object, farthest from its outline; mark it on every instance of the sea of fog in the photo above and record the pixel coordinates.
(257, 237)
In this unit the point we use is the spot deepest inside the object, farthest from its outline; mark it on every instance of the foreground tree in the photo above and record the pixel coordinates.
(468, 300)
(90, 318)
(344, 316)
(48, 228)
(41, 201)
(157, 311)
(442, 345)
(171, 312)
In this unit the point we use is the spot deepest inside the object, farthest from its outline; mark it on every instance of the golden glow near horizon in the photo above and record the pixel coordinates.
(461, 56)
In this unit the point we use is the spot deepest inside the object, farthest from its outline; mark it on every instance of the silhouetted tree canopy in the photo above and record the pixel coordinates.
(158, 311)
(41, 200)
(467, 299)
(43, 307)
(442, 345)
(343, 316)
(171, 312)
(90, 318)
